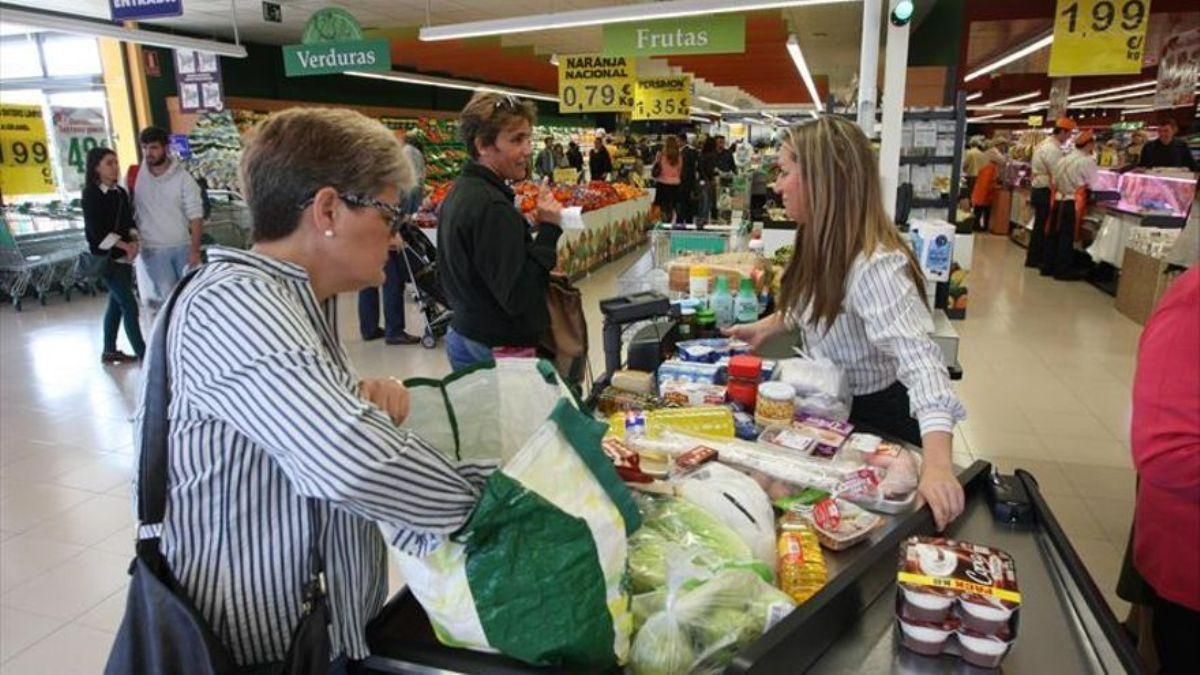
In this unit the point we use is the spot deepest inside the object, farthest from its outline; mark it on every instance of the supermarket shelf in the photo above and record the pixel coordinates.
(915, 159)
(931, 115)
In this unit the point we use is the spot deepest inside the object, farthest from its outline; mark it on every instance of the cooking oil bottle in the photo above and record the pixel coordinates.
(801, 566)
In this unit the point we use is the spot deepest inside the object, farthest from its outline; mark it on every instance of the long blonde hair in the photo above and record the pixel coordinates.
(840, 180)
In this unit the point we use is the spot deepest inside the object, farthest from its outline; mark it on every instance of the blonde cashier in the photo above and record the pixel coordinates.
(856, 293)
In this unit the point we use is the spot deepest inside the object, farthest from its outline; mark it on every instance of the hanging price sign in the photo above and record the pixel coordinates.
(595, 83)
(24, 152)
(663, 98)
(1099, 37)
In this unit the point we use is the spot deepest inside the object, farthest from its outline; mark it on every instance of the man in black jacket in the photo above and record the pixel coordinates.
(494, 267)
(689, 181)
(1166, 150)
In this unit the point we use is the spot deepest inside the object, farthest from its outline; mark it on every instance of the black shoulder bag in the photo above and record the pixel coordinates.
(162, 631)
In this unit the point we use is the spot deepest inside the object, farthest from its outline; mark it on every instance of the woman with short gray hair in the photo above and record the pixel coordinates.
(275, 442)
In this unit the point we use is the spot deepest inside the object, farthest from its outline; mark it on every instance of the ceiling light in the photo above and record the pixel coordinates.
(996, 108)
(1037, 45)
(985, 117)
(1036, 106)
(719, 104)
(1111, 90)
(793, 47)
(976, 95)
(1006, 120)
(1014, 99)
(902, 13)
(88, 27)
(554, 59)
(596, 16)
(1115, 97)
(447, 83)
(701, 119)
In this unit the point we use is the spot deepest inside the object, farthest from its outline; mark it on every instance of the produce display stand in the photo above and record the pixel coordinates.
(849, 625)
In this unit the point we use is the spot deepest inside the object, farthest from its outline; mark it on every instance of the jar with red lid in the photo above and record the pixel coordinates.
(744, 373)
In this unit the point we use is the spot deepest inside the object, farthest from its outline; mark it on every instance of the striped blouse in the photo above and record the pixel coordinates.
(264, 414)
(882, 335)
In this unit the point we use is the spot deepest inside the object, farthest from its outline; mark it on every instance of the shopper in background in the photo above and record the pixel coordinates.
(1167, 151)
(668, 170)
(599, 161)
(1133, 153)
(1045, 157)
(708, 170)
(274, 439)
(497, 269)
(986, 183)
(725, 162)
(416, 157)
(169, 210)
(560, 157)
(575, 157)
(1074, 175)
(689, 181)
(544, 165)
(108, 225)
(1165, 440)
(855, 292)
(973, 161)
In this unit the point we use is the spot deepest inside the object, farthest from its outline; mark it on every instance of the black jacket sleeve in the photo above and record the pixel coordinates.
(97, 221)
(516, 270)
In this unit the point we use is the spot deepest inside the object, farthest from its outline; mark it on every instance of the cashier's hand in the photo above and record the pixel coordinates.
(548, 208)
(388, 394)
(755, 334)
(942, 491)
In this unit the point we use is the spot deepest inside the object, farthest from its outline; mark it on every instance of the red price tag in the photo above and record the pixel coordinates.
(826, 515)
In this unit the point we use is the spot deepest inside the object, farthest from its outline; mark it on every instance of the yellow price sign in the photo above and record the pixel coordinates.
(663, 98)
(1036, 120)
(24, 154)
(1099, 37)
(595, 83)
(566, 176)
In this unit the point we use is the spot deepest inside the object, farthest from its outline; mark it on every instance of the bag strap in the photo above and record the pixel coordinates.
(156, 433)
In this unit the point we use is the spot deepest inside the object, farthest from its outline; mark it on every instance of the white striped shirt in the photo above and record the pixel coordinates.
(264, 414)
(882, 336)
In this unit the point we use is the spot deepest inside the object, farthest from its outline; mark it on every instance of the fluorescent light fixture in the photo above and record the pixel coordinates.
(705, 120)
(974, 96)
(815, 115)
(996, 108)
(670, 9)
(1036, 106)
(1014, 99)
(1112, 106)
(1035, 46)
(985, 117)
(719, 104)
(1110, 90)
(554, 59)
(447, 83)
(793, 47)
(1115, 97)
(91, 28)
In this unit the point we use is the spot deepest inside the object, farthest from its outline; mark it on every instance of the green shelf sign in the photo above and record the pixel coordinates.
(718, 34)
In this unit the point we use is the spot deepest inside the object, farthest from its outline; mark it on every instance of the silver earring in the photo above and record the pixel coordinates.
(329, 234)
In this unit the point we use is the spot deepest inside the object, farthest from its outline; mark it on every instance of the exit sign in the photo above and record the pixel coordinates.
(272, 12)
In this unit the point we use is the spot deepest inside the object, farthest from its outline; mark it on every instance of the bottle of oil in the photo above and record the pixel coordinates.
(801, 566)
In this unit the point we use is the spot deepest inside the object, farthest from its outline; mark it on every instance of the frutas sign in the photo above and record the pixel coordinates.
(720, 34)
(333, 43)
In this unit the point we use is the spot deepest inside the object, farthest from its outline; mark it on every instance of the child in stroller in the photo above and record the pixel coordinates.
(420, 259)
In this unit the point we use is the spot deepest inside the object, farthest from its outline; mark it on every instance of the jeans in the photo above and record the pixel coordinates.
(393, 301)
(122, 304)
(464, 352)
(164, 267)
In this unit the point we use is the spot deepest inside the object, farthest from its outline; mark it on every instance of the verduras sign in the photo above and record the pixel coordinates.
(333, 43)
(720, 34)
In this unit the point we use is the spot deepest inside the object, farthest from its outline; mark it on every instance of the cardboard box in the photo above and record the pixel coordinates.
(1143, 282)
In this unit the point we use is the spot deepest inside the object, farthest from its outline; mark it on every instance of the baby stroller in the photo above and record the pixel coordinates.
(420, 258)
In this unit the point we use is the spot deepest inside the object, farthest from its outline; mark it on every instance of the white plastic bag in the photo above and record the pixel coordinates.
(737, 501)
(822, 389)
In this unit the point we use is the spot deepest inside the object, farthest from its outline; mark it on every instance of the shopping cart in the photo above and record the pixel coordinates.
(42, 261)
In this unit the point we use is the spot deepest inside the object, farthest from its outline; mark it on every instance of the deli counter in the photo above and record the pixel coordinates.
(1160, 198)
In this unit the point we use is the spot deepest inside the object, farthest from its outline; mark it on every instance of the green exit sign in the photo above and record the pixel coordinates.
(718, 34)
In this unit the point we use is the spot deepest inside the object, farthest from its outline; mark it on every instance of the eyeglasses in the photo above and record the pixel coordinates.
(391, 212)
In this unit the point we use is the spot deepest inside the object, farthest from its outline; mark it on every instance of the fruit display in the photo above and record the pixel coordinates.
(216, 150)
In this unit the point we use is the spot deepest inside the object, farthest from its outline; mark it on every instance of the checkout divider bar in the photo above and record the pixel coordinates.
(801, 638)
(1075, 567)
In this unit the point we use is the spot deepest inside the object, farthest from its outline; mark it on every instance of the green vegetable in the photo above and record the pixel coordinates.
(670, 523)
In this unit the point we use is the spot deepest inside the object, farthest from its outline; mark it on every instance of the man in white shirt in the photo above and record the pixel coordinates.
(169, 210)
(973, 161)
(1073, 176)
(1045, 157)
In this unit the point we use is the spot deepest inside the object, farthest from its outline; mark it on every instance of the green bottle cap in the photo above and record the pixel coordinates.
(722, 284)
(747, 286)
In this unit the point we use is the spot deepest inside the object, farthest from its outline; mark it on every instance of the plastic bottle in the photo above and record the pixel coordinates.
(721, 302)
(745, 307)
(801, 566)
(698, 281)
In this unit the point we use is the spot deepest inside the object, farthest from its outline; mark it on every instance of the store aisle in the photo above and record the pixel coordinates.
(1048, 371)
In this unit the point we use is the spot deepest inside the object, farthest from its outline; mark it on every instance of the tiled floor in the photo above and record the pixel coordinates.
(1048, 370)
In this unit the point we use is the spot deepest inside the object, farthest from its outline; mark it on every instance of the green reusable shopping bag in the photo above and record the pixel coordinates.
(538, 572)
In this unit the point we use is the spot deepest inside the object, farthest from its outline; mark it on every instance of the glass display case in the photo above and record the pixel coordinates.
(1151, 193)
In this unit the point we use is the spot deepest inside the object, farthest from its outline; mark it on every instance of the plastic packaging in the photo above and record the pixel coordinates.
(841, 526)
(776, 405)
(745, 306)
(821, 387)
(685, 371)
(716, 421)
(635, 381)
(698, 282)
(721, 302)
(801, 567)
(737, 501)
(744, 374)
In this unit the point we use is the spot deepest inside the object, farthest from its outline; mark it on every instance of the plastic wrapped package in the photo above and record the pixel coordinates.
(672, 525)
(821, 387)
(737, 501)
(698, 624)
